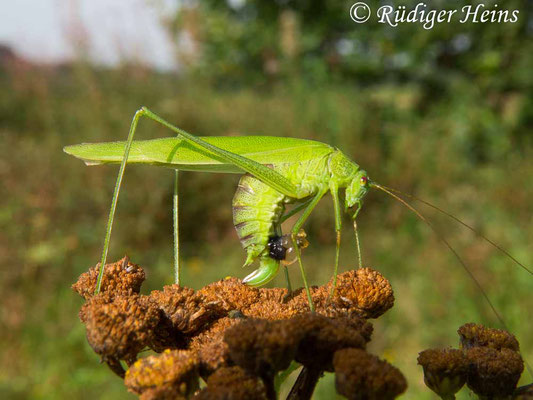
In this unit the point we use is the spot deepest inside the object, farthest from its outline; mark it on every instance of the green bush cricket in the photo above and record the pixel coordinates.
(278, 171)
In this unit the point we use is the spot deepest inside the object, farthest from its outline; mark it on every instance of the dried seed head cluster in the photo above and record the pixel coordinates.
(474, 335)
(229, 294)
(122, 277)
(262, 347)
(187, 310)
(234, 336)
(211, 347)
(488, 361)
(445, 370)
(493, 373)
(321, 337)
(121, 328)
(174, 370)
(363, 376)
(364, 290)
(232, 383)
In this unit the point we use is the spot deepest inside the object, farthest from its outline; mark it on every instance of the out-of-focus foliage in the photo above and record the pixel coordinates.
(453, 127)
(243, 41)
(263, 42)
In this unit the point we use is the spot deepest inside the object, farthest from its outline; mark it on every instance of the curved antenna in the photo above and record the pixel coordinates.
(427, 203)
(439, 235)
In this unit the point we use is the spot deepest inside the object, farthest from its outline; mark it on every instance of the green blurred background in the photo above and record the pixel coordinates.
(445, 114)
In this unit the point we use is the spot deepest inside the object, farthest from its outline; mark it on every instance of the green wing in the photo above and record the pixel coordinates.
(179, 154)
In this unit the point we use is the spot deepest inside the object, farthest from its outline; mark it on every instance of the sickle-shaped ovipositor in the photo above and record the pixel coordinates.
(268, 269)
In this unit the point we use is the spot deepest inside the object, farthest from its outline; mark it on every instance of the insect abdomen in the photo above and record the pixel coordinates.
(256, 210)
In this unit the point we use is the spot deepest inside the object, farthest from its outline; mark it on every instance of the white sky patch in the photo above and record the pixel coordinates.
(111, 30)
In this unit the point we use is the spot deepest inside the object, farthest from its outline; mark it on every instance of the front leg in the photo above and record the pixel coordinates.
(295, 229)
(338, 225)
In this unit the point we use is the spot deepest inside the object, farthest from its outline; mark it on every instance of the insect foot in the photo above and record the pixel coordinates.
(488, 362)
(196, 335)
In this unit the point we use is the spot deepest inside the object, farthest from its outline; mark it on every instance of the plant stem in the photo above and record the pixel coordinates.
(305, 384)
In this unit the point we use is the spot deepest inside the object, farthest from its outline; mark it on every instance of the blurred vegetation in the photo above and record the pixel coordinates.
(446, 114)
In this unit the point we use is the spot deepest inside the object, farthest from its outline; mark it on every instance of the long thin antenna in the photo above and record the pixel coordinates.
(427, 203)
(441, 237)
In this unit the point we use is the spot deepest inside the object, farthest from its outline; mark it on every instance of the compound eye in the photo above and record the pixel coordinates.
(364, 180)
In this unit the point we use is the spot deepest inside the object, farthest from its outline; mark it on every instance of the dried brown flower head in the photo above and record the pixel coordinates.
(445, 370)
(173, 371)
(493, 372)
(228, 323)
(211, 347)
(233, 383)
(364, 290)
(275, 304)
(120, 328)
(162, 393)
(121, 277)
(186, 309)
(262, 347)
(362, 376)
(321, 337)
(229, 294)
(473, 335)
(351, 318)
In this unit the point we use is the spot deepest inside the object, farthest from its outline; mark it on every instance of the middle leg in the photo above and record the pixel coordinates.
(294, 232)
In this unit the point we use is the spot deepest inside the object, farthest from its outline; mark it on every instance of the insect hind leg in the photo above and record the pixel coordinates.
(133, 128)
(127, 147)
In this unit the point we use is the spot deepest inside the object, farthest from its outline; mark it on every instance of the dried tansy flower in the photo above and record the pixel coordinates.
(364, 290)
(185, 309)
(121, 277)
(162, 393)
(262, 347)
(274, 304)
(121, 328)
(273, 309)
(174, 370)
(237, 337)
(363, 376)
(165, 336)
(321, 337)
(352, 319)
(229, 294)
(233, 383)
(473, 335)
(211, 347)
(445, 370)
(493, 373)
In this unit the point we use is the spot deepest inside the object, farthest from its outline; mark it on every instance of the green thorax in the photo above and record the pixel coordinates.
(342, 170)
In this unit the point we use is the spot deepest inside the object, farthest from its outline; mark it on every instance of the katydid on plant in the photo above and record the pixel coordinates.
(277, 171)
